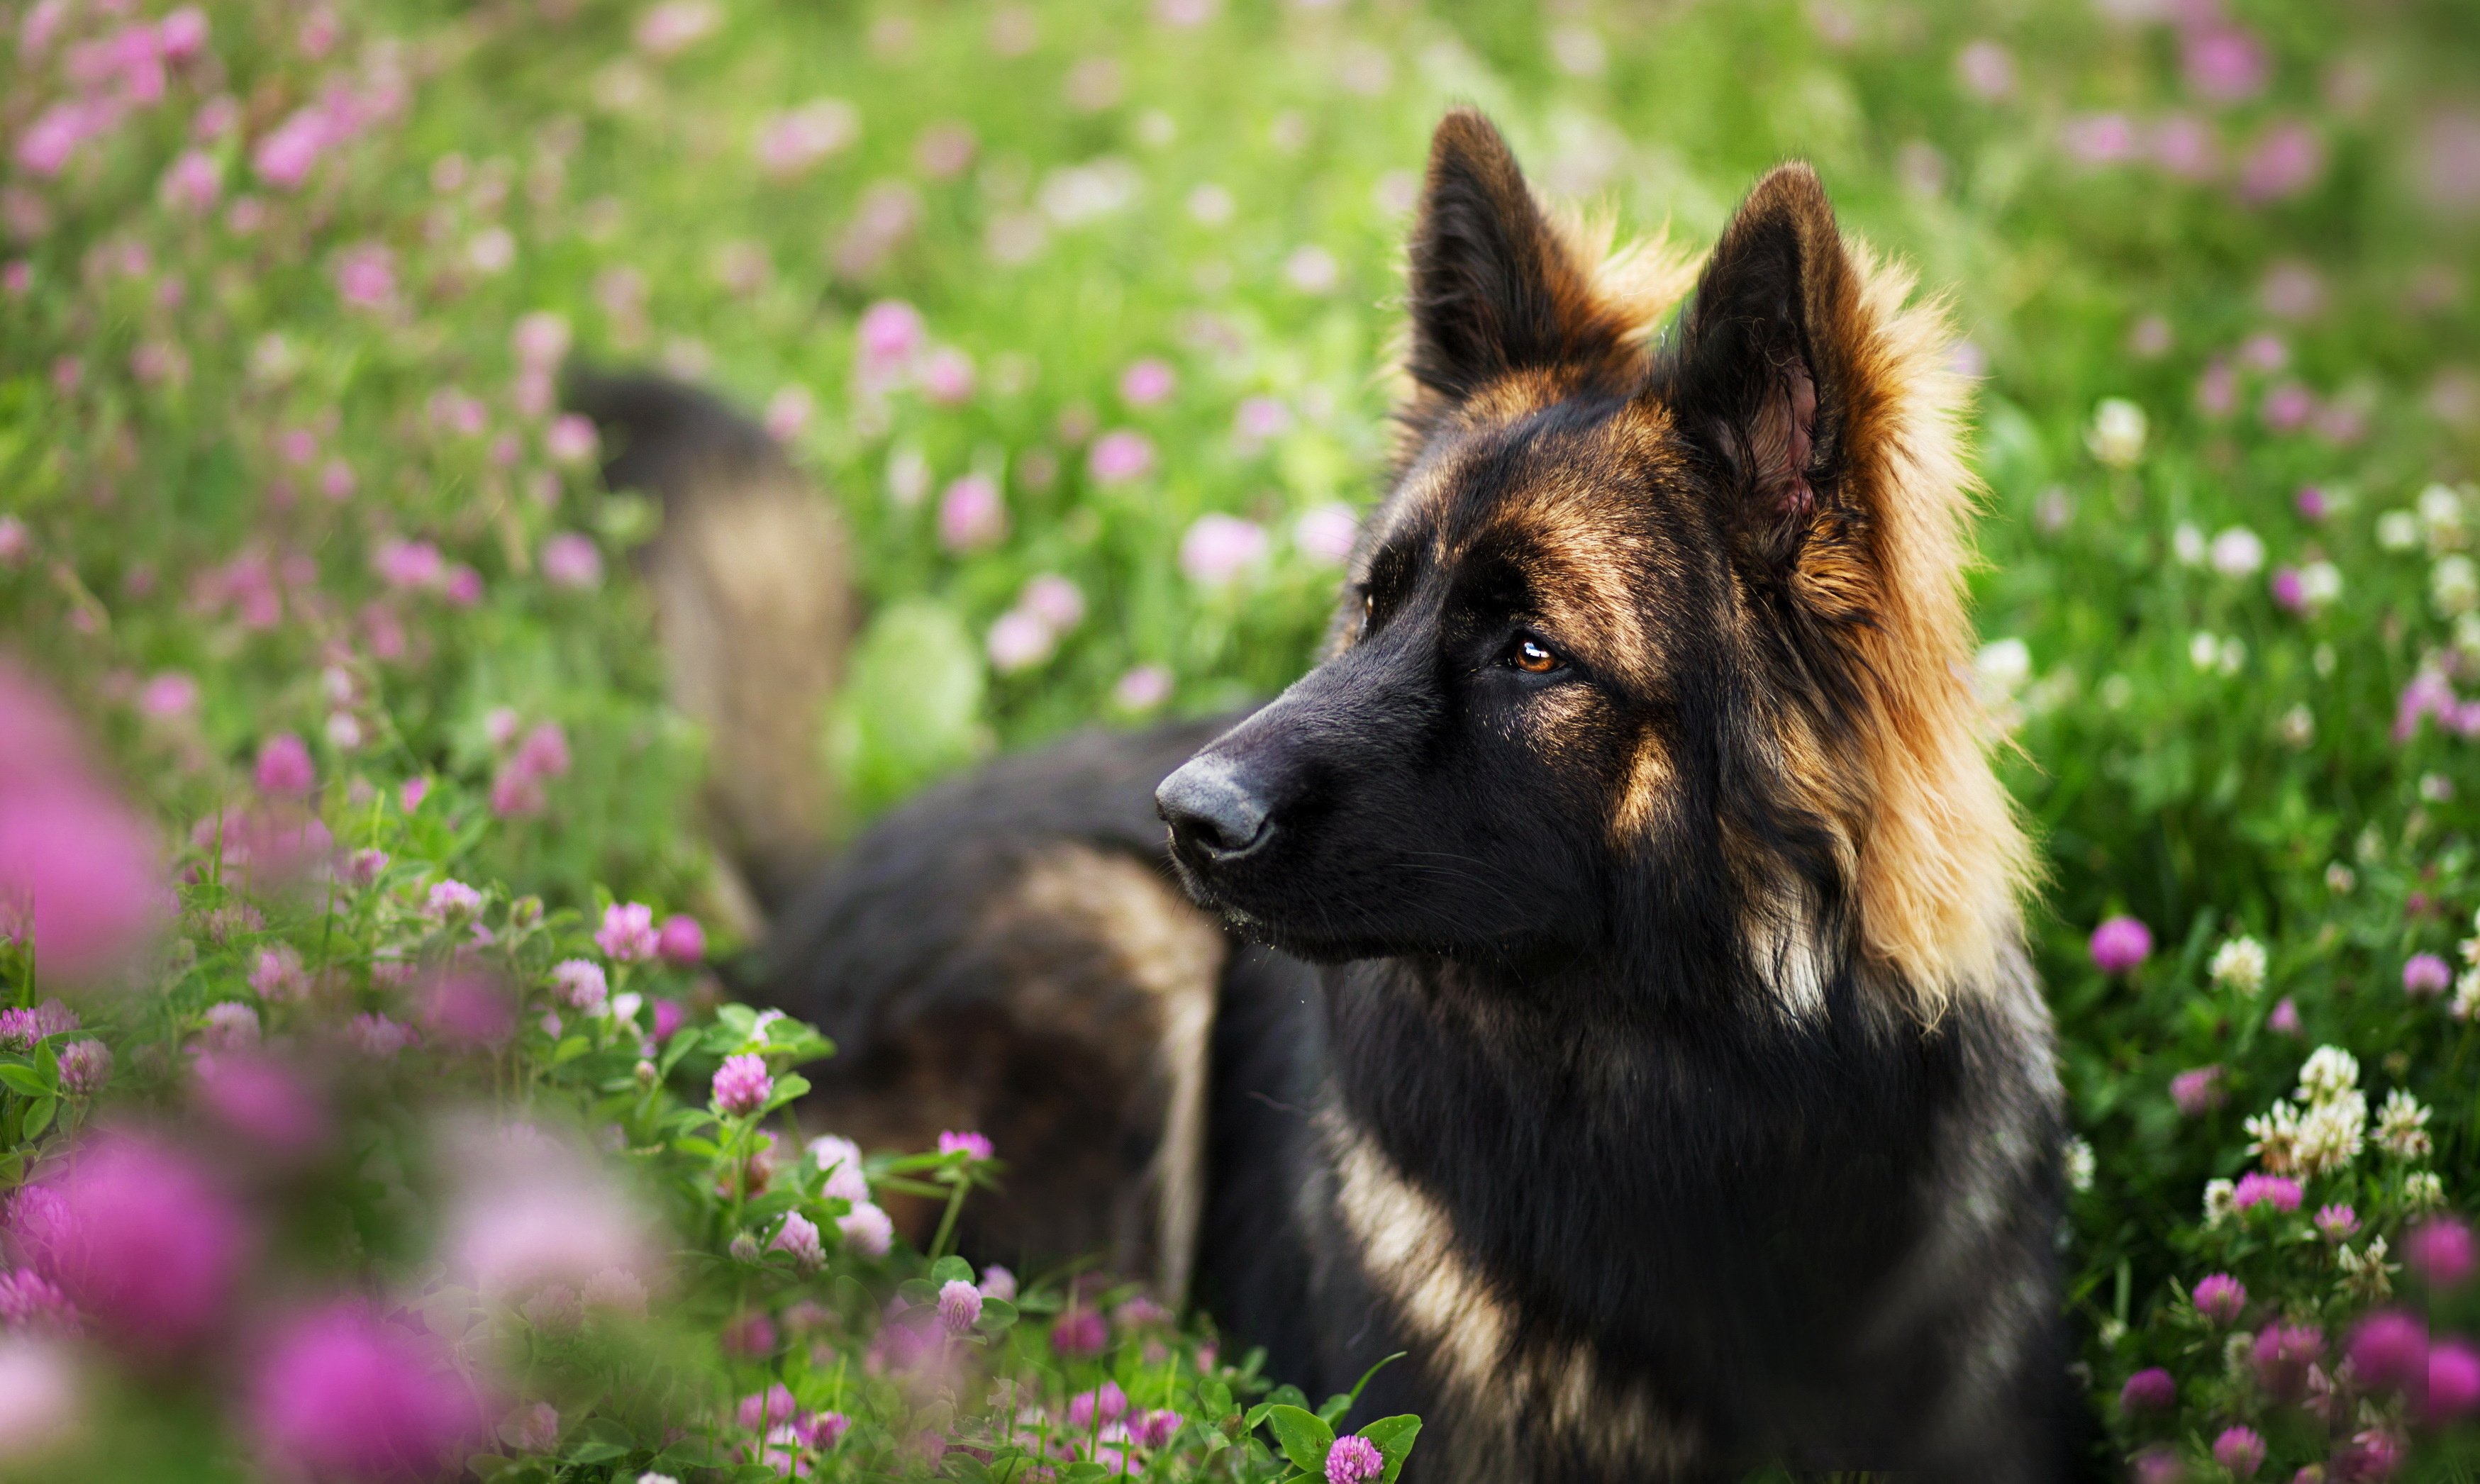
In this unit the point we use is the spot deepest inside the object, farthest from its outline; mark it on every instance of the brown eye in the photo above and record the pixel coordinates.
(1368, 611)
(1533, 656)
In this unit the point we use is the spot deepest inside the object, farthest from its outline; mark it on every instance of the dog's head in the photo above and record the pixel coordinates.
(1656, 643)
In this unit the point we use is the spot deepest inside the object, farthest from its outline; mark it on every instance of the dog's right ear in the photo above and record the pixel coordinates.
(1493, 288)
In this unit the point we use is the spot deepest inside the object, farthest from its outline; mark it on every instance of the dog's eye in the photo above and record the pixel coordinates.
(1368, 612)
(1531, 656)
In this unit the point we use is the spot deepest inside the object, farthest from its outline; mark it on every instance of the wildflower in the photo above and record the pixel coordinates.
(2423, 1191)
(343, 1394)
(2120, 944)
(2198, 1091)
(2425, 976)
(2078, 1165)
(675, 25)
(2439, 1250)
(138, 1238)
(2239, 963)
(1080, 1332)
(2388, 1348)
(998, 1283)
(945, 375)
(1218, 549)
(84, 1067)
(1354, 1460)
(262, 1101)
(531, 1429)
(2336, 1222)
(2366, 1273)
(2329, 1073)
(229, 1025)
(2284, 1019)
(2331, 1135)
(1120, 456)
(1147, 383)
(889, 335)
(960, 1306)
(799, 1237)
(974, 1147)
(1105, 1403)
(571, 560)
(616, 1291)
(866, 1230)
(2117, 434)
(750, 1336)
(628, 933)
(451, 901)
(466, 1009)
(2273, 1137)
(2221, 1200)
(824, 1431)
(2220, 1297)
(669, 1017)
(2278, 1191)
(2402, 1126)
(2239, 1451)
(40, 1404)
(2453, 1381)
(579, 984)
(840, 1159)
(682, 940)
(797, 138)
(376, 1036)
(283, 768)
(2237, 553)
(29, 1301)
(971, 514)
(741, 1084)
(2281, 1356)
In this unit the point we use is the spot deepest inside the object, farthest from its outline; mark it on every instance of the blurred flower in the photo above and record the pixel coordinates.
(2278, 1191)
(974, 1147)
(260, 1100)
(2239, 1451)
(138, 1238)
(2282, 1354)
(40, 1401)
(1121, 455)
(366, 276)
(944, 149)
(193, 182)
(343, 1395)
(2118, 432)
(1105, 1403)
(2220, 1297)
(284, 768)
(2439, 1250)
(889, 336)
(866, 1230)
(1218, 549)
(1312, 270)
(571, 439)
(571, 560)
(376, 1036)
(2453, 1381)
(2336, 1222)
(1054, 600)
(628, 933)
(673, 26)
(540, 340)
(2198, 1091)
(452, 901)
(840, 1159)
(960, 1306)
(2120, 944)
(788, 412)
(408, 563)
(947, 376)
(84, 1067)
(682, 940)
(2151, 1390)
(2285, 159)
(467, 1010)
(797, 138)
(1080, 1332)
(971, 514)
(1986, 69)
(742, 1085)
(798, 1236)
(1325, 534)
(998, 1283)
(1142, 688)
(2239, 963)
(76, 865)
(1147, 383)
(2388, 1348)
(229, 1025)
(2098, 139)
(2238, 552)
(2447, 161)
(579, 984)
(2225, 64)
(2425, 976)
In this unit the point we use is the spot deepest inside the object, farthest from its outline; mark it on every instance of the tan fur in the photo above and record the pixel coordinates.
(1173, 952)
(1506, 1395)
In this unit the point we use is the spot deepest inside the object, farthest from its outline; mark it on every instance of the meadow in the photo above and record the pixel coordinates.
(371, 1100)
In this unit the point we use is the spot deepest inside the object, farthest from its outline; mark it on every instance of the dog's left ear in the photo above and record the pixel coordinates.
(1766, 358)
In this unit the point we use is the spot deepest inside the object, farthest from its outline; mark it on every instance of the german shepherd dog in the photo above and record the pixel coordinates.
(1601, 976)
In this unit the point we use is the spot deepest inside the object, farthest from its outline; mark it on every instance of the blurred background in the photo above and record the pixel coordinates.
(1080, 317)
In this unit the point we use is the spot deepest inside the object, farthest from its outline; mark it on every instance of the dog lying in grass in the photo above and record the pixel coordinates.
(1601, 976)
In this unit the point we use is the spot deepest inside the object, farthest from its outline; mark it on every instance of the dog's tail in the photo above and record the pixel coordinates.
(751, 579)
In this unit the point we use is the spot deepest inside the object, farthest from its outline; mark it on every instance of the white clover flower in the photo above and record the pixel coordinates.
(2239, 963)
(2238, 552)
(2320, 583)
(2273, 1138)
(2366, 1275)
(2467, 995)
(2298, 727)
(2397, 531)
(2340, 879)
(2328, 1073)
(2239, 1355)
(2079, 1165)
(2187, 544)
(2220, 1201)
(2423, 1191)
(2118, 430)
(2233, 656)
(2402, 1126)
(2454, 585)
(2332, 1134)
(2441, 515)
(2204, 650)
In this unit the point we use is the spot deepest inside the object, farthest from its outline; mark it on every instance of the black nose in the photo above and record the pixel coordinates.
(1211, 811)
